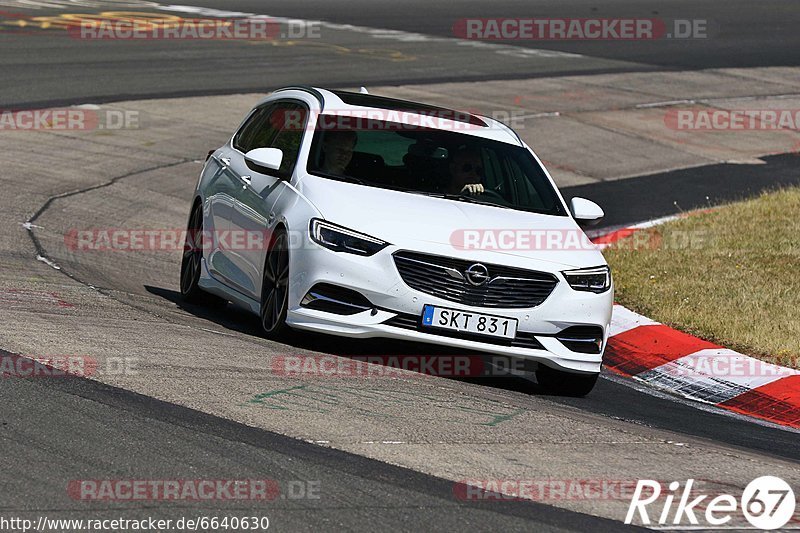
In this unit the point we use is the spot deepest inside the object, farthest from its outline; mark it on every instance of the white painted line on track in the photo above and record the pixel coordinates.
(381, 33)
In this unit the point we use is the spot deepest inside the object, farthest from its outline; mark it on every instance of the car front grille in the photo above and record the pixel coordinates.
(444, 277)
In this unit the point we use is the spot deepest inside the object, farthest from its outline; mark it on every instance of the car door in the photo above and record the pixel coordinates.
(253, 216)
(221, 194)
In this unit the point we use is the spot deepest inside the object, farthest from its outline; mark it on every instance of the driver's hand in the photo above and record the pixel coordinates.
(472, 188)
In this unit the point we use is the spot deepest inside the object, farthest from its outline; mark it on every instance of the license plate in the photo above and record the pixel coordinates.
(468, 322)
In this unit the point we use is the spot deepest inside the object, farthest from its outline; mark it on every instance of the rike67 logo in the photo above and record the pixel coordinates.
(767, 503)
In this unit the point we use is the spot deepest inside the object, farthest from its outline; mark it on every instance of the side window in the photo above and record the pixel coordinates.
(251, 134)
(289, 121)
(493, 177)
(526, 192)
(280, 125)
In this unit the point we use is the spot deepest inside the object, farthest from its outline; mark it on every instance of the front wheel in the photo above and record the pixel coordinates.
(563, 383)
(275, 288)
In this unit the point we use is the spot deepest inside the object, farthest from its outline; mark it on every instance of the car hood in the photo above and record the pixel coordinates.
(448, 227)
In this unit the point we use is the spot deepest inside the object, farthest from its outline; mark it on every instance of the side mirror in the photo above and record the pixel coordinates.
(585, 211)
(264, 160)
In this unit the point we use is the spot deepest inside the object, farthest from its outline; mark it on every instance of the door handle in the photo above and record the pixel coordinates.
(247, 180)
(226, 161)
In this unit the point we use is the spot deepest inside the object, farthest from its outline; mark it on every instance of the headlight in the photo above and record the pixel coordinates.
(595, 279)
(341, 239)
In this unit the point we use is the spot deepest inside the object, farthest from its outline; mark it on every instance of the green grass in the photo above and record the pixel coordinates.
(730, 275)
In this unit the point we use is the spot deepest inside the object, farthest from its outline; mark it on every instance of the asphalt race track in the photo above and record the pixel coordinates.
(44, 59)
(364, 493)
(381, 453)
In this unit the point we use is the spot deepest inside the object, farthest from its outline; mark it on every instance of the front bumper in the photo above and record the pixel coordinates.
(377, 279)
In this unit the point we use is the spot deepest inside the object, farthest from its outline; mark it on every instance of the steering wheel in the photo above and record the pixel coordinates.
(494, 195)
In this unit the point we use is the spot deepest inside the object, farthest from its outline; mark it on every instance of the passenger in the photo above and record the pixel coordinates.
(337, 151)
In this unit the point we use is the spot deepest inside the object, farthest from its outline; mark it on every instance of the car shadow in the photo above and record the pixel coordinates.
(234, 318)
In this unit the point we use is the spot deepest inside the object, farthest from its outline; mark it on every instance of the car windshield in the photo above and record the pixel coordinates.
(434, 162)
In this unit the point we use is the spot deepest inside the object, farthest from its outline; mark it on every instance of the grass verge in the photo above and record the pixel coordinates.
(730, 275)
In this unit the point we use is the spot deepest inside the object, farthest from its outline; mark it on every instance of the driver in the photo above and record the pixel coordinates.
(466, 172)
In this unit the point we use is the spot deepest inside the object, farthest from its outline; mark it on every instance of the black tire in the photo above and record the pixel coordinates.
(191, 263)
(275, 288)
(563, 383)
